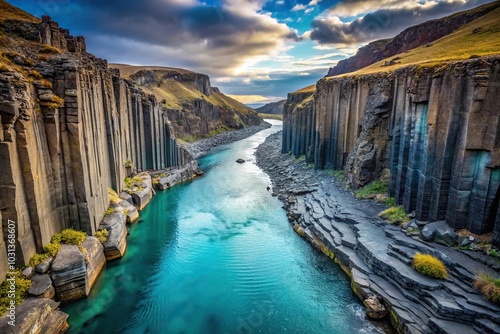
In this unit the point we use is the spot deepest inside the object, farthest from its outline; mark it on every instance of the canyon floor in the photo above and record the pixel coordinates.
(378, 255)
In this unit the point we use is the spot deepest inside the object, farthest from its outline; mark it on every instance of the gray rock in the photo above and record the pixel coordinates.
(44, 267)
(28, 272)
(429, 231)
(446, 235)
(127, 197)
(411, 224)
(41, 286)
(130, 211)
(33, 315)
(240, 161)
(69, 273)
(96, 261)
(116, 244)
(465, 241)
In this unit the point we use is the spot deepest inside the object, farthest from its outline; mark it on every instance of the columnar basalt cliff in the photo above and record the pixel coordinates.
(436, 128)
(70, 128)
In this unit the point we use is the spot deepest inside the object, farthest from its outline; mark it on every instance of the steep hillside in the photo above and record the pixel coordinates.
(195, 108)
(430, 116)
(272, 108)
(413, 37)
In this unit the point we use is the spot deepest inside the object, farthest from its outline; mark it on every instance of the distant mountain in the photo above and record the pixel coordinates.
(272, 108)
(413, 37)
(195, 108)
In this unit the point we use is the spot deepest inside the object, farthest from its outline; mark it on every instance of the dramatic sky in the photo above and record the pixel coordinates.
(248, 47)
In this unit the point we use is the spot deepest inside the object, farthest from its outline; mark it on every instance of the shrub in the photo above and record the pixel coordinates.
(37, 259)
(301, 158)
(35, 74)
(22, 286)
(390, 201)
(372, 189)
(429, 265)
(48, 49)
(52, 248)
(102, 235)
(109, 211)
(69, 237)
(488, 286)
(395, 215)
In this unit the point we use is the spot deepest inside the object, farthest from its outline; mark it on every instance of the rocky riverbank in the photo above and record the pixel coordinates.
(205, 146)
(377, 255)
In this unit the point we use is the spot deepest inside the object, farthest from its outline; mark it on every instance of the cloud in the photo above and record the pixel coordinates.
(298, 7)
(332, 28)
(186, 33)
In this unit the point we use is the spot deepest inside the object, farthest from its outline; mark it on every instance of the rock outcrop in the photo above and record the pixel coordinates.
(377, 256)
(116, 244)
(272, 108)
(436, 128)
(70, 128)
(412, 37)
(36, 316)
(75, 269)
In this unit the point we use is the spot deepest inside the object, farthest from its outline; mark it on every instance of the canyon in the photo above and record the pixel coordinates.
(434, 127)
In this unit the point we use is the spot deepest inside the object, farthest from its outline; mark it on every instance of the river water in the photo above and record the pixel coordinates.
(217, 255)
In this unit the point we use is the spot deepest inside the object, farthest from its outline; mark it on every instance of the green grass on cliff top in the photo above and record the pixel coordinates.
(481, 37)
(9, 12)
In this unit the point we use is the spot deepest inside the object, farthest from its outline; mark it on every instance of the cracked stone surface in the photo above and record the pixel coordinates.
(379, 255)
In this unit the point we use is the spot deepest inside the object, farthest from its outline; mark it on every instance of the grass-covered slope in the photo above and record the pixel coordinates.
(480, 37)
(195, 109)
(9, 12)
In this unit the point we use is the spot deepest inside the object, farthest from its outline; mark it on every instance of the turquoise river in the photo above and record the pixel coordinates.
(217, 255)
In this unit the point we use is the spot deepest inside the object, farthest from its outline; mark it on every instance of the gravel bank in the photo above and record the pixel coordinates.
(205, 146)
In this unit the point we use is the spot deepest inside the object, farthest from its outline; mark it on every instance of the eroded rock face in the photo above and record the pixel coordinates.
(116, 244)
(69, 274)
(66, 139)
(95, 259)
(36, 315)
(436, 129)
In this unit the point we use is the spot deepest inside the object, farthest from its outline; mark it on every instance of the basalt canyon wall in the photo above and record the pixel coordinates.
(70, 128)
(435, 128)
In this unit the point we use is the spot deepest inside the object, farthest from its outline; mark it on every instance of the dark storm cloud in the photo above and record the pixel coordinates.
(381, 23)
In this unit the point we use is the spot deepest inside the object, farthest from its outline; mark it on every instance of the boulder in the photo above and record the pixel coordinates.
(446, 236)
(28, 272)
(240, 161)
(96, 261)
(116, 244)
(127, 197)
(411, 224)
(41, 286)
(69, 274)
(130, 211)
(429, 231)
(142, 197)
(465, 241)
(44, 267)
(36, 315)
(374, 309)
